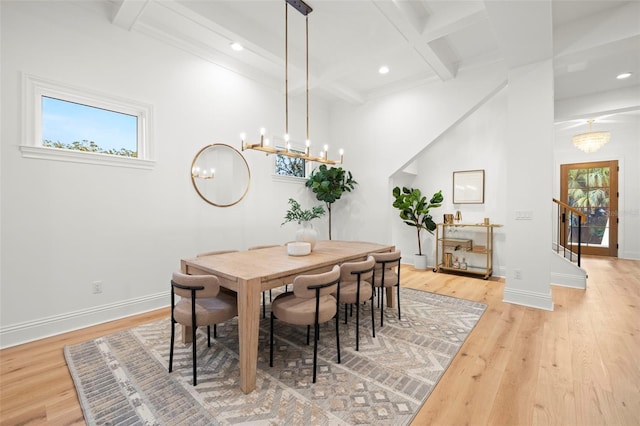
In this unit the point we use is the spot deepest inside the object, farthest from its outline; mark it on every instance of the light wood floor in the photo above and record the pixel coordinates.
(577, 365)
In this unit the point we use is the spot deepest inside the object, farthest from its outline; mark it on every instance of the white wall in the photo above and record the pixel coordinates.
(384, 135)
(476, 143)
(65, 225)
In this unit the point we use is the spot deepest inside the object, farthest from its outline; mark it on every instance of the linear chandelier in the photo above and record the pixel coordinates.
(264, 145)
(591, 141)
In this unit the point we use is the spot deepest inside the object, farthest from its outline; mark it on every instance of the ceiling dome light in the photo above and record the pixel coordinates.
(383, 69)
(623, 75)
(236, 46)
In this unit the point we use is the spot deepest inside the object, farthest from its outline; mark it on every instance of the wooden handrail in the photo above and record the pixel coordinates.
(583, 217)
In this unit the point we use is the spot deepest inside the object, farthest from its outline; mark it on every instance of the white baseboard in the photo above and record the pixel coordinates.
(45, 327)
(528, 298)
(569, 280)
(630, 255)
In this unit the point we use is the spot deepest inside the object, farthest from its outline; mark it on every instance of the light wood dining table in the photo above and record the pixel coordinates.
(249, 273)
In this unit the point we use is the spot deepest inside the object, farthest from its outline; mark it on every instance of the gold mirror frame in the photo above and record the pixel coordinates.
(220, 175)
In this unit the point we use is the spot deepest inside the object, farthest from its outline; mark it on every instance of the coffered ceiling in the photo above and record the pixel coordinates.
(591, 41)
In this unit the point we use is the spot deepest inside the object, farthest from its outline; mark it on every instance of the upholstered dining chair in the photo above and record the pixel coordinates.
(310, 303)
(387, 275)
(201, 303)
(264, 299)
(356, 286)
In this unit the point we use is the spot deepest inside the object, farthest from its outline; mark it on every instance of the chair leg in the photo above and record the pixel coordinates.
(208, 336)
(193, 340)
(358, 325)
(215, 331)
(264, 306)
(315, 350)
(308, 333)
(381, 306)
(345, 313)
(173, 335)
(399, 315)
(338, 334)
(373, 319)
(271, 342)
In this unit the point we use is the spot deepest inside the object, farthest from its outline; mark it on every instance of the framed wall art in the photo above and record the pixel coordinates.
(468, 187)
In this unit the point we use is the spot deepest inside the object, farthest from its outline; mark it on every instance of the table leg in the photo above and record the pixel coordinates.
(391, 297)
(248, 332)
(186, 334)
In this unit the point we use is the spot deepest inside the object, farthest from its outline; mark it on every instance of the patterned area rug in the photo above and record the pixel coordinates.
(122, 378)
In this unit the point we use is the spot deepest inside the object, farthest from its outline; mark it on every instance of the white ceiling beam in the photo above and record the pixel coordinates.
(128, 13)
(441, 29)
(443, 66)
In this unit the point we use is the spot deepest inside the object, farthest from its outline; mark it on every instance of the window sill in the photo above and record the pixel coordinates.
(288, 179)
(57, 154)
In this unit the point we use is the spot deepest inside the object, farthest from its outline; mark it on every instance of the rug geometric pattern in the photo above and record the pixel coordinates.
(122, 378)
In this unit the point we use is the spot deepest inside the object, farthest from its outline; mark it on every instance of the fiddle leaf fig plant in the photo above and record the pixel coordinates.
(329, 184)
(414, 209)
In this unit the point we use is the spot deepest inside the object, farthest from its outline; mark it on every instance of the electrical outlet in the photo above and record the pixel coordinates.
(96, 287)
(517, 274)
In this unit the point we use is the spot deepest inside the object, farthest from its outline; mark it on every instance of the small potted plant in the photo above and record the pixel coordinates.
(304, 218)
(414, 211)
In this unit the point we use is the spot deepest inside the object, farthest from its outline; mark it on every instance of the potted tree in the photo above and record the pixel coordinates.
(304, 218)
(329, 184)
(414, 211)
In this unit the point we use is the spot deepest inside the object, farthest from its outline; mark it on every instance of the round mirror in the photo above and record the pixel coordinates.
(220, 175)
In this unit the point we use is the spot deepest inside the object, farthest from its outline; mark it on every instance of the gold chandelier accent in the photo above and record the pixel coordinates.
(263, 145)
(591, 141)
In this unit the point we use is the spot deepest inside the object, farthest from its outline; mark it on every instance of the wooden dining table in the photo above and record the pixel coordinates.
(250, 272)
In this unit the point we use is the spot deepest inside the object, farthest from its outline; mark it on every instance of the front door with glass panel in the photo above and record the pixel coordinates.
(592, 188)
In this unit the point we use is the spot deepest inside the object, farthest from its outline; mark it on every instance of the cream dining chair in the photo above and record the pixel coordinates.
(387, 275)
(201, 303)
(310, 303)
(356, 286)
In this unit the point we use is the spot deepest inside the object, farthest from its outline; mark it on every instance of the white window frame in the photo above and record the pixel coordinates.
(34, 88)
(297, 146)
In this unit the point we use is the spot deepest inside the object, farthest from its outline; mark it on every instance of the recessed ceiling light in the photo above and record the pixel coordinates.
(383, 69)
(623, 75)
(236, 46)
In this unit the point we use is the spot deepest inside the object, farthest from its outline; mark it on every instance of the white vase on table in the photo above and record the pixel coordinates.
(307, 233)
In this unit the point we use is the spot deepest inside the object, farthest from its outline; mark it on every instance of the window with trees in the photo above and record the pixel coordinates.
(80, 125)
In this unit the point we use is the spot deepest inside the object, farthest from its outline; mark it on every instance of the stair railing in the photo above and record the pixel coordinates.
(566, 233)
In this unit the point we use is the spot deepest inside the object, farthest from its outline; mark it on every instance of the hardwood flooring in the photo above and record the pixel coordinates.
(577, 365)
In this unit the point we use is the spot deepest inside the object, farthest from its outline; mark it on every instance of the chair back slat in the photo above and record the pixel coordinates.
(349, 271)
(205, 285)
(305, 285)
